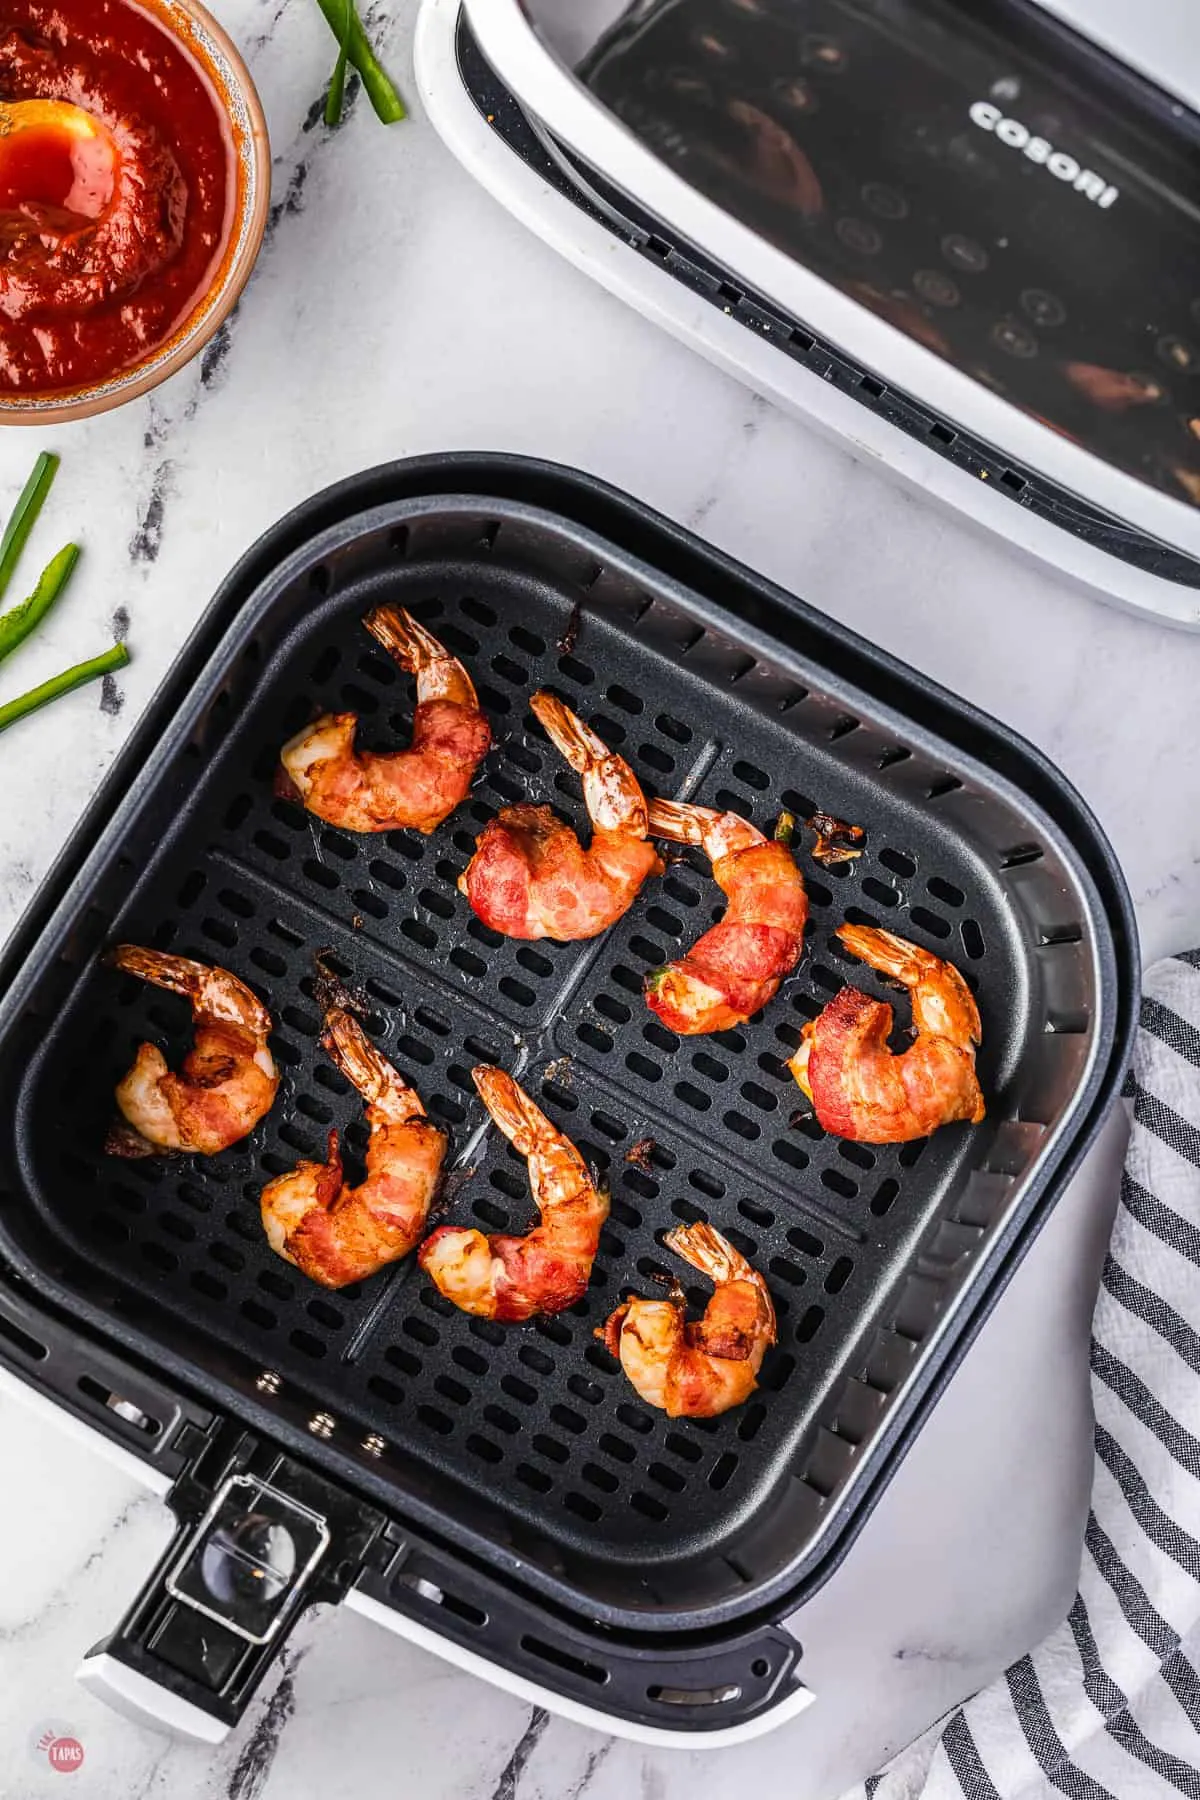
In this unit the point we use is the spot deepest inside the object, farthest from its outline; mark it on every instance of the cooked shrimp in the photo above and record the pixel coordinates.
(859, 1088)
(530, 877)
(337, 1234)
(737, 966)
(700, 1369)
(228, 1081)
(503, 1277)
(364, 790)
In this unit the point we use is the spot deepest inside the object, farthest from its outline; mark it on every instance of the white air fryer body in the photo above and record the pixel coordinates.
(535, 50)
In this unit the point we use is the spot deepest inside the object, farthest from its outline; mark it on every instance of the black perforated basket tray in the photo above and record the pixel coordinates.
(524, 1449)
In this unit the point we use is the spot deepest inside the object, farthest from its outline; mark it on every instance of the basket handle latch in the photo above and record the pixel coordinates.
(193, 1648)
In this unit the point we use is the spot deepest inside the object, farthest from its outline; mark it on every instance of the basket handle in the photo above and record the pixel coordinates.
(146, 1701)
(246, 1561)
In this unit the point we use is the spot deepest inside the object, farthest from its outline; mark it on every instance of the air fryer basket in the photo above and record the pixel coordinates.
(524, 1446)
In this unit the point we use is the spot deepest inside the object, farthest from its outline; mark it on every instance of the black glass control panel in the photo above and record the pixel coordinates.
(982, 178)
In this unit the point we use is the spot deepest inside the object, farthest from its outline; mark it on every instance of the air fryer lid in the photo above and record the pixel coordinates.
(981, 179)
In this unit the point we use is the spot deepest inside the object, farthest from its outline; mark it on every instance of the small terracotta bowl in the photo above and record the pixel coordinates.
(196, 29)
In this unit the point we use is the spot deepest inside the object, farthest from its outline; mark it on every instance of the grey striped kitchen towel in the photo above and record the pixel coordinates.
(1108, 1708)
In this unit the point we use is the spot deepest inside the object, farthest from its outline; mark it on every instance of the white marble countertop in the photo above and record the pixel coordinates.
(396, 309)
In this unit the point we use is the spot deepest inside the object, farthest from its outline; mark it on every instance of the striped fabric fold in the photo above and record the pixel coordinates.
(1108, 1707)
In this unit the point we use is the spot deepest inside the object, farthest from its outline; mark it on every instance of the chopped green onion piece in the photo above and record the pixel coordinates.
(17, 624)
(380, 90)
(66, 683)
(24, 516)
(336, 97)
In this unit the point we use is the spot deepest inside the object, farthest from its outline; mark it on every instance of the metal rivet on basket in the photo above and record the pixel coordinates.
(269, 1382)
(322, 1425)
(373, 1444)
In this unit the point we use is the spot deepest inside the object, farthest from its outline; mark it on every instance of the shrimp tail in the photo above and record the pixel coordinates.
(331, 992)
(364, 1065)
(179, 974)
(440, 676)
(892, 956)
(404, 638)
(718, 834)
(710, 1253)
(681, 824)
(611, 791)
(212, 992)
(575, 742)
(522, 1122)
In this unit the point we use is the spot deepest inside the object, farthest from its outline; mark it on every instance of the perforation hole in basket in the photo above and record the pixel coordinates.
(880, 892)
(727, 800)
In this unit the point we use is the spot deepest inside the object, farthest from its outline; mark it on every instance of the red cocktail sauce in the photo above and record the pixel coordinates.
(116, 201)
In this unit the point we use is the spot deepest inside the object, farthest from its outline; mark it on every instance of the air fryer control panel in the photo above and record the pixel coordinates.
(989, 182)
